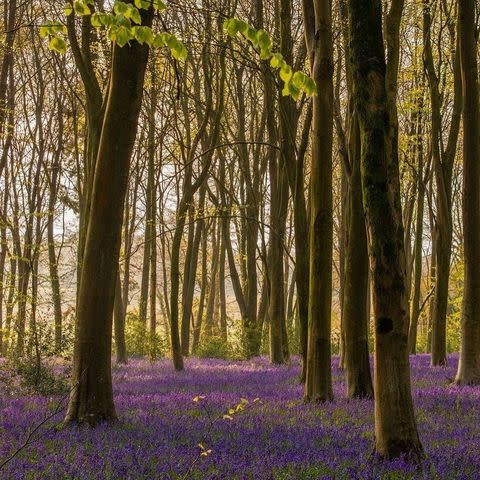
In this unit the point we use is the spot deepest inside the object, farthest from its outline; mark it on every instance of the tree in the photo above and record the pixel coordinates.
(318, 37)
(355, 298)
(442, 159)
(395, 426)
(91, 399)
(468, 372)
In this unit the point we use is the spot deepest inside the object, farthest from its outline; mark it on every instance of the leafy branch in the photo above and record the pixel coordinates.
(294, 82)
(122, 25)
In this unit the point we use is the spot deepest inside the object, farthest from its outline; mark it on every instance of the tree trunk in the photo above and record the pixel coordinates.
(191, 262)
(318, 37)
(276, 308)
(354, 313)
(91, 399)
(395, 426)
(418, 247)
(119, 323)
(443, 160)
(469, 363)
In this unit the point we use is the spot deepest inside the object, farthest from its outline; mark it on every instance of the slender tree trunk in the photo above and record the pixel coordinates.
(3, 257)
(150, 211)
(212, 286)
(276, 308)
(10, 301)
(191, 263)
(52, 255)
(203, 289)
(418, 247)
(119, 323)
(443, 160)
(221, 285)
(153, 288)
(6, 70)
(355, 314)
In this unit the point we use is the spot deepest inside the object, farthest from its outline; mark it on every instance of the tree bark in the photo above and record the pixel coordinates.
(395, 426)
(443, 160)
(119, 323)
(468, 372)
(91, 399)
(355, 313)
(318, 36)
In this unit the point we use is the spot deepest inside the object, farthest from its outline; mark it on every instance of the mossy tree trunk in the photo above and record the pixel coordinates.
(469, 365)
(395, 426)
(318, 36)
(355, 298)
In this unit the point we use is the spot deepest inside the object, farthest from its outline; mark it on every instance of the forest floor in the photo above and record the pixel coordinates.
(186, 426)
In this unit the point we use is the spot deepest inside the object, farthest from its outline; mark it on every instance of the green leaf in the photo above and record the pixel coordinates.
(299, 79)
(158, 5)
(58, 44)
(265, 54)
(286, 73)
(277, 60)
(142, 4)
(294, 91)
(44, 31)
(263, 40)
(120, 35)
(159, 40)
(310, 87)
(99, 19)
(122, 21)
(250, 33)
(143, 35)
(81, 8)
(233, 25)
(133, 14)
(120, 8)
(177, 48)
(95, 20)
(180, 53)
(68, 9)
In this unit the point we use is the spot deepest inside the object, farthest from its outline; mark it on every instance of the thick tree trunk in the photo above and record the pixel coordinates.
(318, 36)
(91, 399)
(395, 426)
(469, 364)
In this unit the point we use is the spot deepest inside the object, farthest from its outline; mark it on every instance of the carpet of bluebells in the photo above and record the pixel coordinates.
(198, 425)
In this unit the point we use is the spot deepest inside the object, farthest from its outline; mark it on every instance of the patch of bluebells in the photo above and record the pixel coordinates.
(162, 432)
